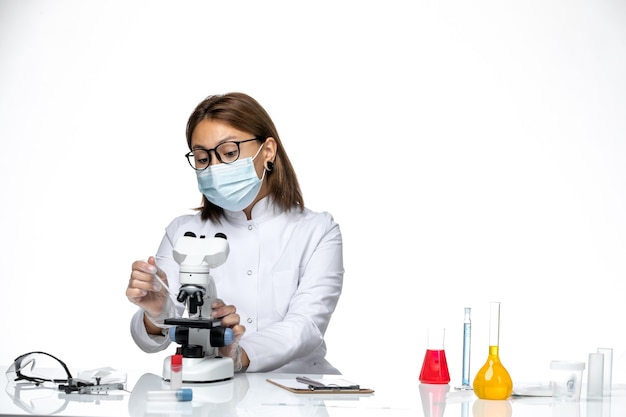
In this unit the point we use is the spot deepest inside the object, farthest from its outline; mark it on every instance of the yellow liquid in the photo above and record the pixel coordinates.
(493, 382)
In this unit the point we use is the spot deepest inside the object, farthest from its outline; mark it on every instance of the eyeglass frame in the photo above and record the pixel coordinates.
(189, 154)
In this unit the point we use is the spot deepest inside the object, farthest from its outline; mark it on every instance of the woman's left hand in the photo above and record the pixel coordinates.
(229, 318)
(227, 314)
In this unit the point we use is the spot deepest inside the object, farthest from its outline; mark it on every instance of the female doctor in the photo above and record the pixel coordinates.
(284, 273)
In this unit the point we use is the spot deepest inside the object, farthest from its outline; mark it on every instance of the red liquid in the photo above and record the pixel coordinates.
(435, 368)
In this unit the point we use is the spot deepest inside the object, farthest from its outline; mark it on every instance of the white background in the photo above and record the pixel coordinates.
(471, 151)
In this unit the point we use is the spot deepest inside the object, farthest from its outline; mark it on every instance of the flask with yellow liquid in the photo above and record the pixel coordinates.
(493, 382)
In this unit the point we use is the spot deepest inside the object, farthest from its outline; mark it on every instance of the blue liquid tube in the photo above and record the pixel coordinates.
(467, 341)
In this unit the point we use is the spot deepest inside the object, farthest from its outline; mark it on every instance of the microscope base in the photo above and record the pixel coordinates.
(202, 369)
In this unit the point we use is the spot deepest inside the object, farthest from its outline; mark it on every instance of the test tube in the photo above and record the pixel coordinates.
(607, 354)
(185, 394)
(176, 372)
(467, 337)
(595, 375)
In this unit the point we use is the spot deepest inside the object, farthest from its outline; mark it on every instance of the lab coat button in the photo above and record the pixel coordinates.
(249, 272)
(249, 320)
(250, 227)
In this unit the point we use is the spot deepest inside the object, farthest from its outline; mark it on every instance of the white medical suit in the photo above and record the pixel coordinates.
(284, 274)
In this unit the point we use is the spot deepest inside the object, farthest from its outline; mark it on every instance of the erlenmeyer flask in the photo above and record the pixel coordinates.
(493, 382)
(435, 366)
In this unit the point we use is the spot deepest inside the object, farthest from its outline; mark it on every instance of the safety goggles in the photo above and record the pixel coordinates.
(38, 368)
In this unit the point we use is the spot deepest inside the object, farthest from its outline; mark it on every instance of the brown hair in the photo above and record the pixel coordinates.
(244, 113)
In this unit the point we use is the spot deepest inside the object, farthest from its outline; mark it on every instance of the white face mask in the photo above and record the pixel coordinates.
(231, 186)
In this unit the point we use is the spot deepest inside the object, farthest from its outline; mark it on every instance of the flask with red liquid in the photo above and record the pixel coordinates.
(435, 366)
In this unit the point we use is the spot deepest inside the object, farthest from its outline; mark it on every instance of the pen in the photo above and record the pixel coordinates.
(310, 382)
(317, 385)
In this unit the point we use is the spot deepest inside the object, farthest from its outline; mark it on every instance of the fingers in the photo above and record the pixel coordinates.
(217, 303)
(238, 331)
(220, 310)
(135, 294)
(147, 267)
(230, 320)
(142, 275)
(143, 284)
(227, 314)
(158, 271)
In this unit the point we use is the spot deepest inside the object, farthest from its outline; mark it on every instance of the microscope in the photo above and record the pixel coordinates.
(199, 335)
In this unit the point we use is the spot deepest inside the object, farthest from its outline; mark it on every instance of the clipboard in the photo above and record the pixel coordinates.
(305, 385)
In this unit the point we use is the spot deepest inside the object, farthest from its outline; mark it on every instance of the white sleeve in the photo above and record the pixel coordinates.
(147, 342)
(155, 343)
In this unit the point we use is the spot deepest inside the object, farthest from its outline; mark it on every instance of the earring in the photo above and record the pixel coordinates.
(270, 166)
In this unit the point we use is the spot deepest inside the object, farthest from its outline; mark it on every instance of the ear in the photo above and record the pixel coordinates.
(269, 151)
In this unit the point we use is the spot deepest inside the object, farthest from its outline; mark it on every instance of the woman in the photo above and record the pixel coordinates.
(284, 273)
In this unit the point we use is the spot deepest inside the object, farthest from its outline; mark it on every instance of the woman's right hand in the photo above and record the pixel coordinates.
(145, 290)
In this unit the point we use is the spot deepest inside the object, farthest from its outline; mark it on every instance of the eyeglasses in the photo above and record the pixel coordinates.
(226, 152)
(49, 369)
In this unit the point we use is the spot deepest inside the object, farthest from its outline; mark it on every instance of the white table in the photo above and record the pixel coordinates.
(252, 395)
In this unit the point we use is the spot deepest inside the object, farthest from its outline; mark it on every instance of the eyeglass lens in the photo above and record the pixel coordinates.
(226, 152)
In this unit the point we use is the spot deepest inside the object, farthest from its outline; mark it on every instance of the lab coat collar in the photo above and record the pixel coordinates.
(263, 210)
